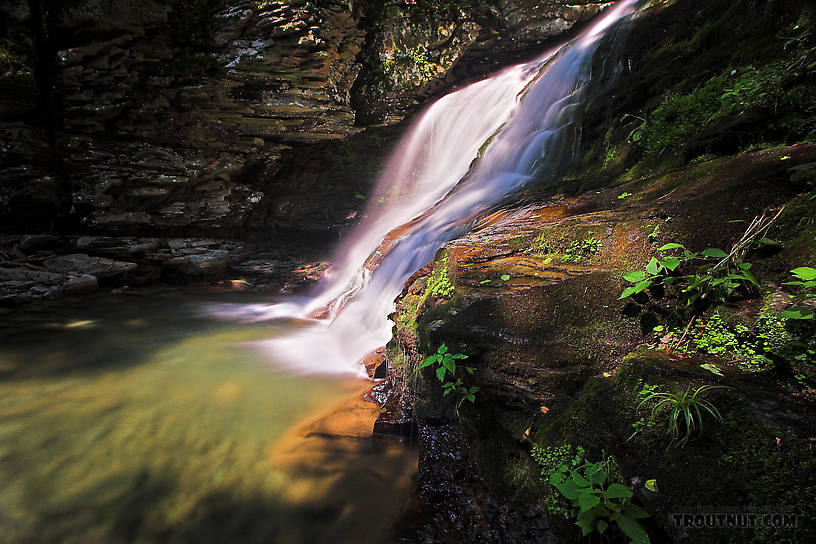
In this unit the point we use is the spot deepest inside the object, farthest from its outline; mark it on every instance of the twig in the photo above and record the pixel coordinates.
(685, 332)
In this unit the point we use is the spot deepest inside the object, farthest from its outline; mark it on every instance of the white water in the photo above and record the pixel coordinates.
(528, 110)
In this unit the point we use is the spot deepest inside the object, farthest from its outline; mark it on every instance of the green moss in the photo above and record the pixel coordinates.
(438, 284)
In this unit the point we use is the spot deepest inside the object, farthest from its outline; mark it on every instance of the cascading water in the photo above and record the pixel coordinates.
(466, 153)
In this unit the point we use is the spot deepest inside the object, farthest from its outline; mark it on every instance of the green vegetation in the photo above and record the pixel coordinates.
(806, 280)
(685, 414)
(581, 250)
(774, 342)
(549, 458)
(446, 373)
(774, 91)
(712, 274)
(599, 498)
(411, 68)
(439, 285)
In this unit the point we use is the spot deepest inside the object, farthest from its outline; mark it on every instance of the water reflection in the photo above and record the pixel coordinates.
(148, 424)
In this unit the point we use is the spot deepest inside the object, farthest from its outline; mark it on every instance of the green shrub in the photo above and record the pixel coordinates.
(599, 499)
(446, 373)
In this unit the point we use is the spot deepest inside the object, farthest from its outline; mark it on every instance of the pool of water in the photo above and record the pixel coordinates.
(137, 419)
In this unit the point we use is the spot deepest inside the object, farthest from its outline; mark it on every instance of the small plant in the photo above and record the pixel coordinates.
(439, 285)
(806, 280)
(715, 274)
(599, 499)
(549, 458)
(446, 373)
(579, 250)
(685, 410)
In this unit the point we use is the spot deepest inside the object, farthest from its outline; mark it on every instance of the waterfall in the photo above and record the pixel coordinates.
(465, 153)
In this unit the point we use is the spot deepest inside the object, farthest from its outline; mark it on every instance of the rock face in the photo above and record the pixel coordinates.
(172, 117)
(555, 356)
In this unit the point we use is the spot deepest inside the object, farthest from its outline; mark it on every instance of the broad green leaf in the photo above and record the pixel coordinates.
(636, 512)
(586, 526)
(440, 373)
(618, 491)
(635, 276)
(628, 292)
(670, 263)
(651, 485)
(598, 477)
(633, 529)
(797, 314)
(505, 277)
(642, 285)
(587, 501)
(670, 246)
(460, 356)
(602, 526)
(653, 267)
(428, 361)
(804, 273)
(715, 252)
(450, 364)
(567, 489)
(579, 479)
(750, 277)
(442, 349)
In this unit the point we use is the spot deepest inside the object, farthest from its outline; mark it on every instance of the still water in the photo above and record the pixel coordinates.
(137, 419)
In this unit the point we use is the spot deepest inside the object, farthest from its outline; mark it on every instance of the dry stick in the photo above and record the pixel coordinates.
(757, 227)
(685, 332)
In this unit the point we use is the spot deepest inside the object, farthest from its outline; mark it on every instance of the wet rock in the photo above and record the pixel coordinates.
(81, 286)
(117, 247)
(34, 242)
(82, 264)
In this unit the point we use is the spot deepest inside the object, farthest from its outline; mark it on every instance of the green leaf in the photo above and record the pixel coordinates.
(624, 195)
(618, 491)
(651, 485)
(598, 477)
(653, 267)
(440, 373)
(628, 292)
(711, 368)
(642, 285)
(635, 276)
(442, 349)
(636, 512)
(428, 361)
(669, 246)
(602, 526)
(567, 489)
(633, 529)
(505, 277)
(670, 263)
(450, 364)
(579, 480)
(797, 314)
(460, 356)
(714, 252)
(586, 526)
(804, 273)
(587, 501)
